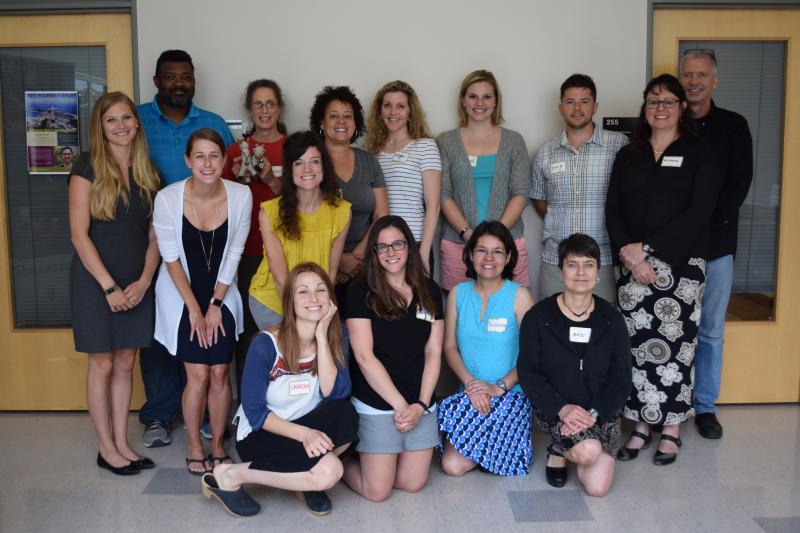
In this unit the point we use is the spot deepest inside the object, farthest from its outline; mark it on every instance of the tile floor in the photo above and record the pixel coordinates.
(749, 481)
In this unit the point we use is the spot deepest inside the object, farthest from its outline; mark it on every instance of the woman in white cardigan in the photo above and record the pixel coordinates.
(201, 225)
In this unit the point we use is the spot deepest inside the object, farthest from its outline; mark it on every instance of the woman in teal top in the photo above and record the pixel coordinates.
(487, 423)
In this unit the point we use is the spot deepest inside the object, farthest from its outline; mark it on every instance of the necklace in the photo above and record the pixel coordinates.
(209, 257)
(578, 315)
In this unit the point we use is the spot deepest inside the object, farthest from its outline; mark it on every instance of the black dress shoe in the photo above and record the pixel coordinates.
(708, 426)
(127, 470)
(143, 463)
(556, 475)
(666, 458)
(317, 502)
(629, 454)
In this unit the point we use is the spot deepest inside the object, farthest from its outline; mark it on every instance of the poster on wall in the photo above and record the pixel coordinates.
(51, 126)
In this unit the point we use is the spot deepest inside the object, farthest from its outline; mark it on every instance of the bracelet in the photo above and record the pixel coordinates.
(424, 405)
(112, 289)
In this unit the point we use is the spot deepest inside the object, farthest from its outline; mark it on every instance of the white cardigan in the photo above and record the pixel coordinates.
(168, 225)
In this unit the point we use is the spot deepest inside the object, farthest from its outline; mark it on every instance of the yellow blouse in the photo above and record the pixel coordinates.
(318, 230)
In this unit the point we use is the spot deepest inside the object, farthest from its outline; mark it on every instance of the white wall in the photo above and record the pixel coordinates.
(530, 45)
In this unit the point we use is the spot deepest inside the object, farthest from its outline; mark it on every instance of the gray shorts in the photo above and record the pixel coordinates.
(377, 434)
(263, 316)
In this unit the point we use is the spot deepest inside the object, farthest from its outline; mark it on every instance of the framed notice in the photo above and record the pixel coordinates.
(51, 126)
(624, 125)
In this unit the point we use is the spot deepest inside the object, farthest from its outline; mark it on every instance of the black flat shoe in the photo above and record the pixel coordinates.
(236, 502)
(556, 475)
(127, 470)
(708, 426)
(317, 502)
(629, 454)
(666, 458)
(143, 463)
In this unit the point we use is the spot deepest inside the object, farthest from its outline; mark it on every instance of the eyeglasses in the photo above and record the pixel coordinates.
(497, 253)
(382, 247)
(706, 51)
(270, 105)
(666, 103)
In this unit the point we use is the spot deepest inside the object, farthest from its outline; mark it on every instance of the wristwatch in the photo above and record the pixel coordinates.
(463, 231)
(593, 413)
(502, 384)
(216, 301)
(646, 248)
(112, 289)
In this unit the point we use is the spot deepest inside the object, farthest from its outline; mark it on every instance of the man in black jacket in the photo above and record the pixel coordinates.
(729, 134)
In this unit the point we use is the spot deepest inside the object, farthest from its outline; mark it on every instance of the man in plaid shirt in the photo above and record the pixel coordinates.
(570, 178)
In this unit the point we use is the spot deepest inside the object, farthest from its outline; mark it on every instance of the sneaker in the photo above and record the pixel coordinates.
(205, 431)
(156, 434)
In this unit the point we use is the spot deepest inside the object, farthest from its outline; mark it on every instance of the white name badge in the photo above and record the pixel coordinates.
(497, 325)
(277, 171)
(580, 334)
(555, 168)
(400, 157)
(299, 387)
(423, 314)
(473, 160)
(672, 161)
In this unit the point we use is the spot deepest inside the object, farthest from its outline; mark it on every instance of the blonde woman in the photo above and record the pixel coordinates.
(111, 192)
(397, 134)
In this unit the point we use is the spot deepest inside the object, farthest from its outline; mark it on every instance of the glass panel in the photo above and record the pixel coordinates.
(752, 77)
(37, 203)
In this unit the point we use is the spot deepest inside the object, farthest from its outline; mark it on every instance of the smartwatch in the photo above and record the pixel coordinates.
(216, 301)
(646, 248)
(112, 289)
(502, 384)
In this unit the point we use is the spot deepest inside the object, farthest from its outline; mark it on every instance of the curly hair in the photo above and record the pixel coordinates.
(328, 94)
(376, 130)
(293, 149)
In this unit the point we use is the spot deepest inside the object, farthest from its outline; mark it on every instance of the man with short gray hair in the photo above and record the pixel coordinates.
(730, 136)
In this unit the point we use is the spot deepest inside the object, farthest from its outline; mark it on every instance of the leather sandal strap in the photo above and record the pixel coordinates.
(639, 434)
(670, 438)
(553, 451)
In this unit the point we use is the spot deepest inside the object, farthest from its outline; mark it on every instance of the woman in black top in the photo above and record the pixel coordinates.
(575, 367)
(662, 193)
(394, 315)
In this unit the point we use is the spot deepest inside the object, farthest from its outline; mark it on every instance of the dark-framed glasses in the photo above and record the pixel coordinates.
(382, 247)
(497, 253)
(666, 103)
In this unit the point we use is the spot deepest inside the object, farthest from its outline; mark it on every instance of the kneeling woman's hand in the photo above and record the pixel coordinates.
(408, 419)
(316, 442)
(575, 419)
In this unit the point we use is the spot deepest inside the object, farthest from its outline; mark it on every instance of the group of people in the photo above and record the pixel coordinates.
(335, 321)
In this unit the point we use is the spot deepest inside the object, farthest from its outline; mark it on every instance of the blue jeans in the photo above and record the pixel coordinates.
(164, 378)
(708, 355)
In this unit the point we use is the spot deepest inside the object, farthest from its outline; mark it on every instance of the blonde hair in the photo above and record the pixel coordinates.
(376, 130)
(108, 186)
(477, 76)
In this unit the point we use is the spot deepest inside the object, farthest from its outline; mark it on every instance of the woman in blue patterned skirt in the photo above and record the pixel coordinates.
(488, 422)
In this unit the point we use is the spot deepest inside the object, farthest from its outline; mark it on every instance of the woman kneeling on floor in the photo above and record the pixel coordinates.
(575, 367)
(295, 407)
(488, 422)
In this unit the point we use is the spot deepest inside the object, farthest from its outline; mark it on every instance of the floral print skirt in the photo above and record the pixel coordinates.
(662, 319)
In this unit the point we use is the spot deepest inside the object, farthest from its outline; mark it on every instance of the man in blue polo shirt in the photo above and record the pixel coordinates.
(168, 122)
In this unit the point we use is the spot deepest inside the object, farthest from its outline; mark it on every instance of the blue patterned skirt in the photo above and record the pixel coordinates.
(500, 442)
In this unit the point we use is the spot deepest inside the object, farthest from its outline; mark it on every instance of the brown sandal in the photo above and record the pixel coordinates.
(203, 462)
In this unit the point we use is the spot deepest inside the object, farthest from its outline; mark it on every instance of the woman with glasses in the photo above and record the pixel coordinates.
(485, 176)
(575, 366)
(663, 189)
(263, 101)
(488, 422)
(307, 223)
(394, 315)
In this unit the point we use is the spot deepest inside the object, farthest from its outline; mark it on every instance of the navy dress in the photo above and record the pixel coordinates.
(202, 280)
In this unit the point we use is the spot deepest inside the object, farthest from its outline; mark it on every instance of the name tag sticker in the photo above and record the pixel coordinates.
(580, 334)
(473, 160)
(555, 168)
(672, 161)
(299, 387)
(400, 157)
(423, 314)
(497, 325)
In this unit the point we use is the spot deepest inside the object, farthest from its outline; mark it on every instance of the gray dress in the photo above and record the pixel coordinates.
(122, 245)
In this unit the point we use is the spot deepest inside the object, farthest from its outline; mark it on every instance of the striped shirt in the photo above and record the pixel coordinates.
(574, 184)
(402, 171)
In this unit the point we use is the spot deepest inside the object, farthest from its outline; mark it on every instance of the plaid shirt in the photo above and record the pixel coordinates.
(574, 184)
(167, 140)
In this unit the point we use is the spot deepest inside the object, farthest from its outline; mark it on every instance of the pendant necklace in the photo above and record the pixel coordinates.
(207, 258)
(578, 315)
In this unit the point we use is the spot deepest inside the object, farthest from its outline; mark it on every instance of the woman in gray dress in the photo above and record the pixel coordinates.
(111, 192)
